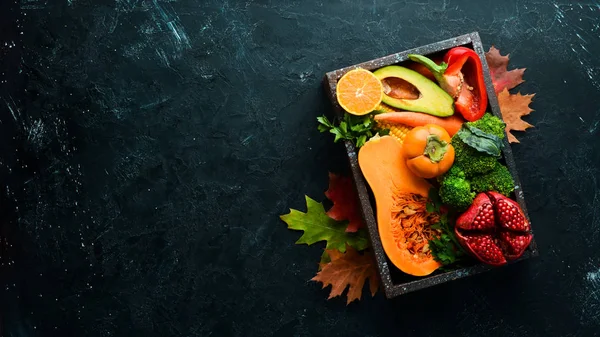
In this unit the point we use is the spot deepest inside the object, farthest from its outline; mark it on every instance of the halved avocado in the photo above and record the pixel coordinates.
(431, 99)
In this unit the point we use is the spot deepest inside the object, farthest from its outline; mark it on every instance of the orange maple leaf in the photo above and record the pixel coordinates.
(348, 270)
(513, 107)
(500, 76)
(345, 202)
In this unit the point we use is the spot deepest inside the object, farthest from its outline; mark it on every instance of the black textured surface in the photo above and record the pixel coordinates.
(394, 281)
(148, 147)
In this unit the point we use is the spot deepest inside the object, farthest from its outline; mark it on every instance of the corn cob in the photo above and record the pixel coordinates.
(397, 131)
(386, 108)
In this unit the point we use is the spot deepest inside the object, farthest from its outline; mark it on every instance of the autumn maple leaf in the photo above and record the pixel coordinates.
(318, 226)
(345, 202)
(348, 270)
(500, 76)
(513, 107)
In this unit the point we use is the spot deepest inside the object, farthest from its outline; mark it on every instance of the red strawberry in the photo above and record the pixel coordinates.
(480, 216)
(483, 247)
(508, 213)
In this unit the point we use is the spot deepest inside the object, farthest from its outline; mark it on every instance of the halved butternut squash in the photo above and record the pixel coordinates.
(404, 238)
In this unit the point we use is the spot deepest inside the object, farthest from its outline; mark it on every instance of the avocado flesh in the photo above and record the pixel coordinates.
(432, 100)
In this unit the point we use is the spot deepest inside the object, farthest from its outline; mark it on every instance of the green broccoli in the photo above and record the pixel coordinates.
(498, 179)
(455, 189)
(474, 171)
(471, 161)
(490, 124)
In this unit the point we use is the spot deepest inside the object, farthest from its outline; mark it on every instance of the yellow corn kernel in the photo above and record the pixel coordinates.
(386, 108)
(397, 131)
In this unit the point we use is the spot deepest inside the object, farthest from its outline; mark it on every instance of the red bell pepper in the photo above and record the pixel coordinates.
(461, 76)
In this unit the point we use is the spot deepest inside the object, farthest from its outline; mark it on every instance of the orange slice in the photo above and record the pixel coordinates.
(359, 92)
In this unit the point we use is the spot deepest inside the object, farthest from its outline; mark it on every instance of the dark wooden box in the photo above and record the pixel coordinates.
(394, 281)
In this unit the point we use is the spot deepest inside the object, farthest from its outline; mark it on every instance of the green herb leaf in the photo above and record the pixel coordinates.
(354, 128)
(344, 127)
(324, 121)
(429, 208)
(361, 140)
(434, 202)
(445, 248)
(481, 141)
(357, 128)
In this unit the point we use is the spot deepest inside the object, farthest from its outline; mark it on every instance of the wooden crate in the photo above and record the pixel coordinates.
(394, 281)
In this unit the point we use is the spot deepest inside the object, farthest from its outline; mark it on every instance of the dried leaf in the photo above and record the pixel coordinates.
(345, 202)
(317, 226)
(328, 257)
(500, 76)
(349, 270)
(513, 107)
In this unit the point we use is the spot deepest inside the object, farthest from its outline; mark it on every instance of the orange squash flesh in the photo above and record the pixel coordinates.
(385, 170)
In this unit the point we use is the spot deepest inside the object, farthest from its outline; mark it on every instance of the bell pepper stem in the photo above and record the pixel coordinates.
(437, 70)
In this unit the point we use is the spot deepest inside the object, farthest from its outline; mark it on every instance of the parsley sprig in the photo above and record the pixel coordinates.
(357, 129)
(445, 249)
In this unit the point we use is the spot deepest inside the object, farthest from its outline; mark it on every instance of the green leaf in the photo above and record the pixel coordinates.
(348, 118)
(337, 138)
(338, 134)
(430, 209)
(435, 202)
(344, 127)
(324, 121)
(318, 226)
(354, 128)
(446, 249)
(361, 140)
(481, 141)
(357, 128)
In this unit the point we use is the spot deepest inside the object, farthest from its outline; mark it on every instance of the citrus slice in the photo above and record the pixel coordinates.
(359, 92)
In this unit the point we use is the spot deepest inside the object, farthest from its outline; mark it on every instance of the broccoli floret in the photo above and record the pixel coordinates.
(498, 179)
(474, 171)
(471, 161)
(490, 124)
(455, 190)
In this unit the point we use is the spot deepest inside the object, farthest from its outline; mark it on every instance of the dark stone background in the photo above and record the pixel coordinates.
(149, 146)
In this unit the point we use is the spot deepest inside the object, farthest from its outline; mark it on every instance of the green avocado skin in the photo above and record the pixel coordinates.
(433, 100)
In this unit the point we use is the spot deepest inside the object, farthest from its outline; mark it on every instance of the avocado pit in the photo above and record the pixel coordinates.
(399, 89)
